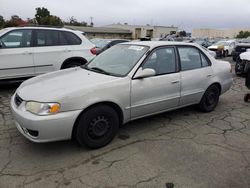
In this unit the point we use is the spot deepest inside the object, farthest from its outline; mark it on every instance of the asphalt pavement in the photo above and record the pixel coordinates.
(183, 148)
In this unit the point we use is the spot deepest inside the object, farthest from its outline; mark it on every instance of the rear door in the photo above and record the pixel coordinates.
(16, 54)
(196, 74)
(51, 49)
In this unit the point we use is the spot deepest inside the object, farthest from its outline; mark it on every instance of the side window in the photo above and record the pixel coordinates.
(71, 38)
(17, 39)
(204, 61)
(62, 39)
(190, 58)
(46, 38)
(162, 60)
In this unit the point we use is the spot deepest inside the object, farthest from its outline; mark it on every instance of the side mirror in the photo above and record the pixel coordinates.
(144, 73)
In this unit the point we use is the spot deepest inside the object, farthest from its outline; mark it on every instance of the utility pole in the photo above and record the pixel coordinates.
(91, 21)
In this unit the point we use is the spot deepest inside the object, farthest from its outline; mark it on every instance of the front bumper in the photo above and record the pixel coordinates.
(43, 128)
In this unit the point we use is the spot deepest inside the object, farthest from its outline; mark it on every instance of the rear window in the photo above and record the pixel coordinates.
(68, 38)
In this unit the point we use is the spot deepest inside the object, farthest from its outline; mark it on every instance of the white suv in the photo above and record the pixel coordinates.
(30, 51)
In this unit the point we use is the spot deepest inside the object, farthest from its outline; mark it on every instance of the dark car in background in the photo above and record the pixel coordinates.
(104, 44)
(239, 48)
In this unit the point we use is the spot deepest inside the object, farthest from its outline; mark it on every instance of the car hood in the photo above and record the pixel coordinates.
(53, 86)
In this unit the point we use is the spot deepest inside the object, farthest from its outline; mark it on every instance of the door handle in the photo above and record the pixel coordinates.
(175, 82)
(67, 50)
(27, 53)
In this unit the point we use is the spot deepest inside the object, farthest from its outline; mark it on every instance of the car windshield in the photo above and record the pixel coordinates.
(118, 60)
(100, 43)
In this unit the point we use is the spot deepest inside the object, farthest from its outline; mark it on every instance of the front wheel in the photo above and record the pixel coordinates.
(97, 126)
(210, 99)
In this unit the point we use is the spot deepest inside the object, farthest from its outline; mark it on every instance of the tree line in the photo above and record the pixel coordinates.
(243, 34)
(42, 17)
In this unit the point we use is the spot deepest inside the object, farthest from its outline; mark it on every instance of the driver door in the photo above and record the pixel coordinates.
(158, 93)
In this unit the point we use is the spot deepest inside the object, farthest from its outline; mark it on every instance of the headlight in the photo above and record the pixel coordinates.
(42, 108)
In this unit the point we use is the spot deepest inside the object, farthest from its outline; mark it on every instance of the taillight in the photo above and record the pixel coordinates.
(93, 51)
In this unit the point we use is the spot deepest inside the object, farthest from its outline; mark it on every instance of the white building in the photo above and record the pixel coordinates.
(217, 33)
(140, 31)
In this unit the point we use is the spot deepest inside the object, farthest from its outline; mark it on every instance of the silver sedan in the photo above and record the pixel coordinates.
(127, 82)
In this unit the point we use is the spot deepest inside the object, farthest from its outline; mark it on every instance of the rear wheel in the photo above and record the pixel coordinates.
(239, 67)
(97, 126)
(225, 54)
(210, 99)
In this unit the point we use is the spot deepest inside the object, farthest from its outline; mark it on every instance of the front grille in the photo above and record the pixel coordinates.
(18, 100)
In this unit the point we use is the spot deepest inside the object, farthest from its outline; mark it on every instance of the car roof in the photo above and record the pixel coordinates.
(109, 39)
(153, 44)
(47, 28)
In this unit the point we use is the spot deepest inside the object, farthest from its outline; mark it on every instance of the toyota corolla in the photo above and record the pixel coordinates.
(126, 82)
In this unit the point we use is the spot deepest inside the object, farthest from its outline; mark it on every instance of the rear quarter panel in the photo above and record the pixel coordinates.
(222, 74)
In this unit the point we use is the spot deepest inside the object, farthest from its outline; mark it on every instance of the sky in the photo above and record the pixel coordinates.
(186, 15)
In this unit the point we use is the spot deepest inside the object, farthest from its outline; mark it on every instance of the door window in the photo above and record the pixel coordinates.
(71, 38)
(17, 39)
(162, 60)
(46, 38)
(204, 61)
(190, 58)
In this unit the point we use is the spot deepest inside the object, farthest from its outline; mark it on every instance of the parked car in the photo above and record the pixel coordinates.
(104, 44)
(240, 48)
(242, 64)
(207, 43)
(30, 51)
(212, 53)
(124, 83)
(223, 48)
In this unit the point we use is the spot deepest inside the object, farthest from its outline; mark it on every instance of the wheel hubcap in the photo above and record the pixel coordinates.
(99, 127)
(211, 98)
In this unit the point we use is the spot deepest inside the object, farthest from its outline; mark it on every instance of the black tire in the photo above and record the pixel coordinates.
(210, 99)
(239, 67)
(72, 64)
(225, 53)
(97, 126)
(246, 97)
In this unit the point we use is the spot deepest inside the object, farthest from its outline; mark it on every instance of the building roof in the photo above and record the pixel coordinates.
(114, 25)
(99, 29)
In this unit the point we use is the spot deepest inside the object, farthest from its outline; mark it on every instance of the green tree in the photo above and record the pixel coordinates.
(13, 22)
(243, 34)
(42, 15)
(74, 22)
(2, 21)
(54, 20)
(31, 21)
(183, 33)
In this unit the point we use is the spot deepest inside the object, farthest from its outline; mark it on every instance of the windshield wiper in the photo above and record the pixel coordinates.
(99, 70)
